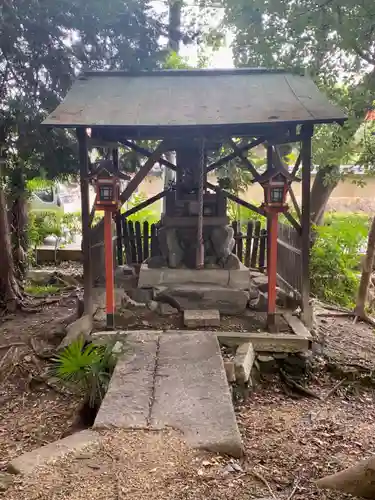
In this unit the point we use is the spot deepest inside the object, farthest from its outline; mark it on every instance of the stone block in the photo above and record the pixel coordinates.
(198, 319)
(206, 296)
(40, 276)
(28, 462)
(278, 342)
(80, 327)
(166, 309)
(260, 281)
(148, 278)
(99, 294)
(267, 363)
(243, 362)
(239, 278)
(142, 295)
(230, 371)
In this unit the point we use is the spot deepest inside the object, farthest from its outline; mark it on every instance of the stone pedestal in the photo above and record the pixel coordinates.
(238, 279)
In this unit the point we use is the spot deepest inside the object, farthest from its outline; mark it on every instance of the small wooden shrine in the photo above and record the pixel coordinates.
(190, 112)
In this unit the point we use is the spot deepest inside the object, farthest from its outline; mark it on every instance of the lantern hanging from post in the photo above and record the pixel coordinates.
(107, 182)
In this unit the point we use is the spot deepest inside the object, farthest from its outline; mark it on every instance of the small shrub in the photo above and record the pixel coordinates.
(335, 258)
(88, 368)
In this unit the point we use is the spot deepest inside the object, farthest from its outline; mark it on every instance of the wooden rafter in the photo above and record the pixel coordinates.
(240, 154)
(154, 157)
(234, 198)
(222, 161)
(145, 204)
(296, 165)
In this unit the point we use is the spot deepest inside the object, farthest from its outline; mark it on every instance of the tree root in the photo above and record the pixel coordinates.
(297, 387)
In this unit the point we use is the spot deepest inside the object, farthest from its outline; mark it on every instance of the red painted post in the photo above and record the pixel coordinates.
(110, 302)
(272, 268)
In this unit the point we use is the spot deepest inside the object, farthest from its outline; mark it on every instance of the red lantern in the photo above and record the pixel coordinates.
(107, 193)
(275, 185)
(107, 182)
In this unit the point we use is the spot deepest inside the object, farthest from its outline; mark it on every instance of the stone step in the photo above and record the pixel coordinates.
(164, 381)
(197, 319)
(28, 462)
(192, 393)
(127, 401)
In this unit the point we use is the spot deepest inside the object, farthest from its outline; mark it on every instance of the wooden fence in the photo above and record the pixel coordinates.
(136, 242)
(289, 266)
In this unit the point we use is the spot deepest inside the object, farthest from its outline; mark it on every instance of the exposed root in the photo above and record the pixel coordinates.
(297, 387)
(264, 481)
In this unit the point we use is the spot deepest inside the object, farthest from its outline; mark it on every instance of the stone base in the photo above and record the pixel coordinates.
(239, 278)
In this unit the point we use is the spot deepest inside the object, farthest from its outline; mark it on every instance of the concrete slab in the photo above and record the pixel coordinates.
(243, 362)
(28, 462)
(262, 342)
(197, 319)
(192, 394)
(127, 401)
(239, 278)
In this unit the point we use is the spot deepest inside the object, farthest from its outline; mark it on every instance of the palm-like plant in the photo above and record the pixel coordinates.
(88, 367)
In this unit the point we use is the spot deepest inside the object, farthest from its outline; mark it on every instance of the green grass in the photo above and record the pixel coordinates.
(42, 290)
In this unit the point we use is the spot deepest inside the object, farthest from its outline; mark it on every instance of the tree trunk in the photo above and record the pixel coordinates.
(325, 182)
(366, 273)
(10, 295)
(19, 233)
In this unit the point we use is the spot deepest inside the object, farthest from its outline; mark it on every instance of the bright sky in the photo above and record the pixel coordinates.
(219, 59)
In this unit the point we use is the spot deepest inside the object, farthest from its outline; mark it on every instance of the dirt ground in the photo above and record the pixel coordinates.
(289, 440)
(31, 412)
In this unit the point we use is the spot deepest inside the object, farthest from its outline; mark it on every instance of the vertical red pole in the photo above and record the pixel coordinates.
(109, 273)
(272, 269)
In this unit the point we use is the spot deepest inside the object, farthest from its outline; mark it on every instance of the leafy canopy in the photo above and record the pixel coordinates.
(332, 39)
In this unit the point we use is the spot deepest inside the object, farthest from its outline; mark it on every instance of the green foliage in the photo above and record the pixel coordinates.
(42, 290)
(42, 225)
(239, 213)
(87, 367)
(149, 214)
(83, 34)
(330, 40)
(73, 222)
(335, 258)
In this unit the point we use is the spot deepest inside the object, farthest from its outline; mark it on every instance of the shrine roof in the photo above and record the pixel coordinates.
(155, 103)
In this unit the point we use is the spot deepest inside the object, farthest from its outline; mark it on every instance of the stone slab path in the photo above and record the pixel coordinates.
(165, 381)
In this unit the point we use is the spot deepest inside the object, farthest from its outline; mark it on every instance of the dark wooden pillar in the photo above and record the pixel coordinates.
(85, 214)
(306, 132)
